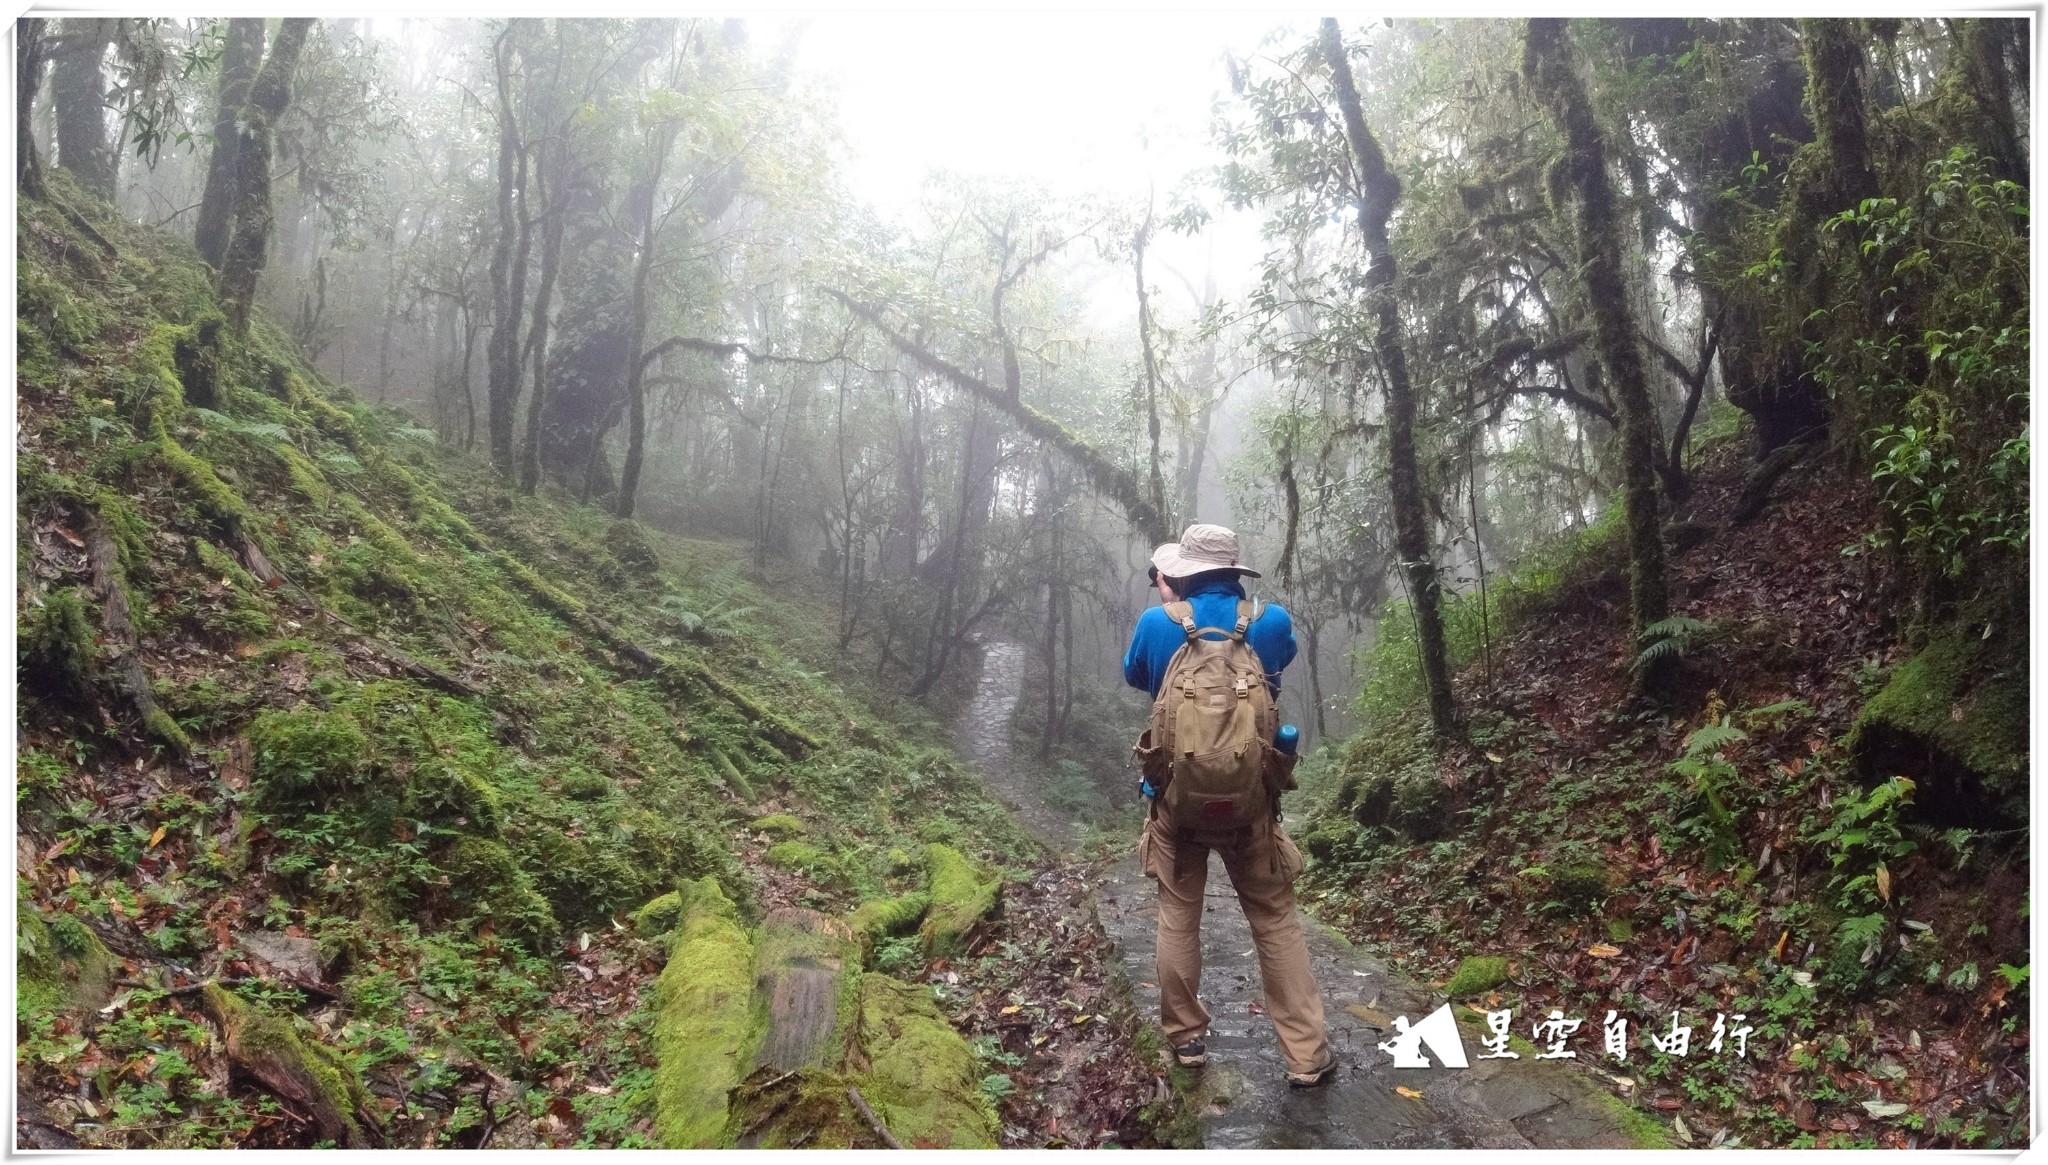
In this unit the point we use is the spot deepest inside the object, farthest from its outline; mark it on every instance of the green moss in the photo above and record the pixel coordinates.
(450, 790)
(778, 825)
(629, 545)
(580, 784)
(1579, 886)
(734, 778)
(305, 751)
(706, 1027)
(487, 883)
(1476, 975)
(1389, 780)
(658, 916)
(54, 648)
(222, 565)
(338, 1092)
(960, 897)
(798, 855)
(921, 1079)
(1947, 706)
(879, 917)
(59, 964)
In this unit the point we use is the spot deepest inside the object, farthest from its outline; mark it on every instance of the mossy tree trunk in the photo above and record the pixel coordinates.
(249, 239)
(31, 52)
(79, 85)
(238, 63)
(1834, 91)
(1981, 44)
(1378, 191)
(1548, 64)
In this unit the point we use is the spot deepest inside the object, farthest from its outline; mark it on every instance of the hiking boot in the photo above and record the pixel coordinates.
(1314, 1076)
(1191, 1054)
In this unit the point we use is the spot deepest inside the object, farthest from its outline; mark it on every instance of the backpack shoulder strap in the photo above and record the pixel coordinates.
(1183, 612)
(1248, 611)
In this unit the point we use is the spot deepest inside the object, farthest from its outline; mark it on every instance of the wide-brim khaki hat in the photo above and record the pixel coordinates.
(1201, 549)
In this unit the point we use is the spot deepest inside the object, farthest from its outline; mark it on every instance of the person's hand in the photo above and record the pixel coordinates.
(1166, 594)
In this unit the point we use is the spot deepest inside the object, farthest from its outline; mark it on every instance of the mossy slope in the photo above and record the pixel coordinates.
(441, 727)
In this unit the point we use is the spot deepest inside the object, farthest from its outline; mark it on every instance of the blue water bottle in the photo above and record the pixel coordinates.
(1287, 739)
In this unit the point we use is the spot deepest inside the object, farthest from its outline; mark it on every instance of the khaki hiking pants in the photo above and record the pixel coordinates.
(1262, 863)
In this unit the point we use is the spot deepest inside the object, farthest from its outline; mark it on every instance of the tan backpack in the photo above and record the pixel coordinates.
(1212, 724)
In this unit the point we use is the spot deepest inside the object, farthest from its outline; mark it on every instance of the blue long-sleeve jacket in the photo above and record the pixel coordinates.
(1157, 637)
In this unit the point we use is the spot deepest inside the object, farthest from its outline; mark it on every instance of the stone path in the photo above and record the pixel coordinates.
(1242, 1097)
(984, 735)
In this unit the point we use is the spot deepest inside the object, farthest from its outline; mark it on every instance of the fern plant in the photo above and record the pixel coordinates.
(1712, 779)
(717, 621)
(1864, 837)
(1670, 638)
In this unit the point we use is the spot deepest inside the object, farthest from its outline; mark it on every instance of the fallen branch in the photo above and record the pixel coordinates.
(874, 1122)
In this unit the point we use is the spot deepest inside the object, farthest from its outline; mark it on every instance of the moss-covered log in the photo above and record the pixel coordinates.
(804, 971)
(705, 1027)
(309, 1075)
(921, 1075)
(879, 918)
(960, 898)
(103, 553)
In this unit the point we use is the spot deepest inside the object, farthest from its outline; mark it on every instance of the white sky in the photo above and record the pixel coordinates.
(1085, 103)
(1082, 101)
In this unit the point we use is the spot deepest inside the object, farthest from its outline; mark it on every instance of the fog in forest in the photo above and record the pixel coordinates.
(525, 520)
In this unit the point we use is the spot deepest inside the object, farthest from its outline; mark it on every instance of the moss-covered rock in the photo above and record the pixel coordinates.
(922, 1076)
(628, 544)
(1476, 975)
(59, 964)
(1580, 886)
(798, 855)
(705, 1030)
(781, 826)
(960, 898)
(580, 784)
(309, 1074)
(1956, 722)
(658, 916)
(1389, 780)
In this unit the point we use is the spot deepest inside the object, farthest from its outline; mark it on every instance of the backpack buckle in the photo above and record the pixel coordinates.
(1243, 689)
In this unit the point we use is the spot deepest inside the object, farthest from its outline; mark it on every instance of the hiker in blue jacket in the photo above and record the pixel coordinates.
(1203, 569)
